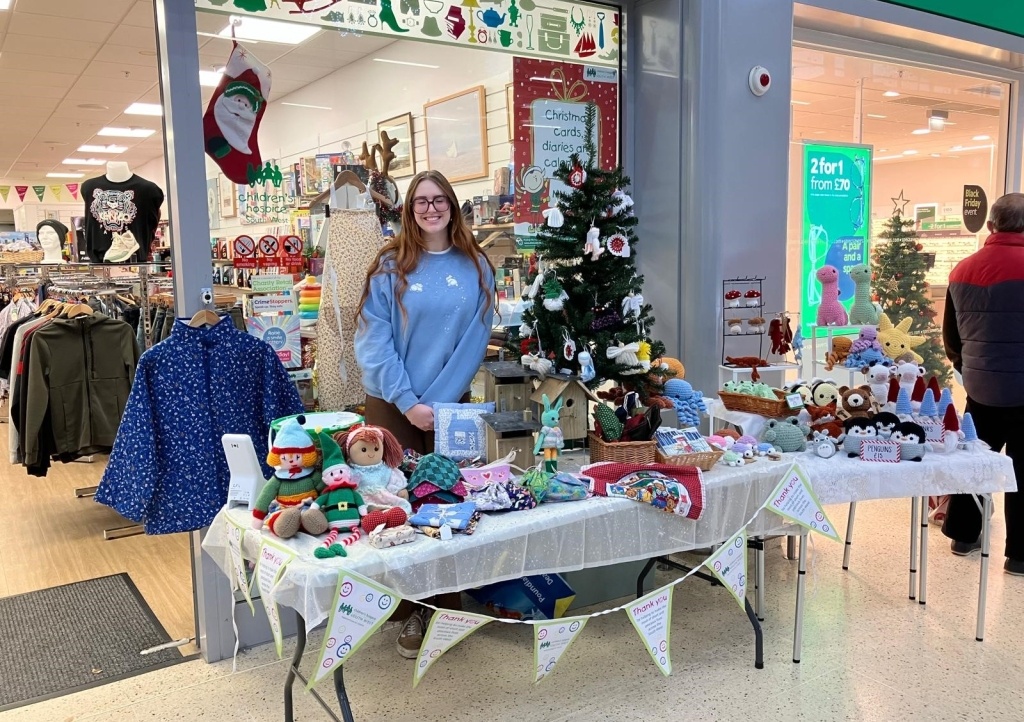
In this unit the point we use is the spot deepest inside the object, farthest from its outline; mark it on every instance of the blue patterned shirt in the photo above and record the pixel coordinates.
(167, 469)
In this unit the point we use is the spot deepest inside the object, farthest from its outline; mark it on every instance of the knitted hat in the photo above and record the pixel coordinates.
(240, 87)
(333, 458)
(60, 228)
(950, 421)
(292, 438)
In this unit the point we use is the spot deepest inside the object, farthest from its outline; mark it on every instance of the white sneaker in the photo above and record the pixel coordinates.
(121, 248)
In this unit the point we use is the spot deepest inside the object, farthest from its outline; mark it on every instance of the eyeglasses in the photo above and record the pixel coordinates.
(421, 204)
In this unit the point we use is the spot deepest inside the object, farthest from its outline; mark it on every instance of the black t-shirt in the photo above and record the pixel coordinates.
(133, 205)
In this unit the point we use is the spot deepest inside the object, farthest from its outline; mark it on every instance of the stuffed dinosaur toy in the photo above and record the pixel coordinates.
(864, 311)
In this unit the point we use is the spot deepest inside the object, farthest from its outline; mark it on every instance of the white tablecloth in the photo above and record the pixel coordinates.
(600, 531)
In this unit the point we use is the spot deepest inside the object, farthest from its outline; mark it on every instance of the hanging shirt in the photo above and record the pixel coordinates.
(168, 469)
(133, 205)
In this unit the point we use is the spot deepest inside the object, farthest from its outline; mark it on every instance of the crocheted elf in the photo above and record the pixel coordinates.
(285, 503)
(339, 501)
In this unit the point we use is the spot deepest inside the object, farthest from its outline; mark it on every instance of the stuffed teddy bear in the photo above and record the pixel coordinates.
(340, 502)
(856, 401)
(374, 454)
(786, 434)
(286, 502)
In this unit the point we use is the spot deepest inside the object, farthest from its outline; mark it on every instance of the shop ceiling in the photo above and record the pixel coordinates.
(71, 67)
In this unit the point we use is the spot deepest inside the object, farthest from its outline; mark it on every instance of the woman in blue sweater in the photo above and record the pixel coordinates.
(423, 325)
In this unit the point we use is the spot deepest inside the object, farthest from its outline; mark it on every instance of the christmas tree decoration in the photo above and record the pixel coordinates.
(970, 440)
(643, 355)
(553, 216)
(568, 347)
(900, 265)
(595, 206)
(945, 399)
(232, 118)
(928, 407)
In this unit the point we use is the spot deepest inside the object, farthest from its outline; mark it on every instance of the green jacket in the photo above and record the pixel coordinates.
(79, 375)
(287, 492)
(342, 504)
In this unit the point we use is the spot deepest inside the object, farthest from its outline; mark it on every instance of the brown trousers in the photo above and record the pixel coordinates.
(380, 413)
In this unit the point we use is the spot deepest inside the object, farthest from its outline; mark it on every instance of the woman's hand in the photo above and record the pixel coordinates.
(421, 416)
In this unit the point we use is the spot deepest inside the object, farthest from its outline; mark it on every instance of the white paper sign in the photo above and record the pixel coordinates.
(932, 431)
(794, 499)
(446, 629)
(880, 450)
(360, 608)
(278, 303)
(729, 564)
(652, 618)
(239, 577)
(551, 639)
(273, 559)
(795, 401)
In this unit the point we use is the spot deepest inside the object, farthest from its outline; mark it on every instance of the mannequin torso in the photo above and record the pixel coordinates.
(118, 171)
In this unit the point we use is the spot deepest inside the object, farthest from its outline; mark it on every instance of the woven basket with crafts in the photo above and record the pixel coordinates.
(704, 460)
(746, 403)
(622, 452)
(21, 256)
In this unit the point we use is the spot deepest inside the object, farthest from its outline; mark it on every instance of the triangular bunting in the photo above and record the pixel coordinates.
(360, 608)
(73, 190)
(239, 576)
(651, 616)
(794, 499)
(729, 564)
(446, 629)
(56, 192)
(21, 191)
(551, 639)
(40, 191)
(273, 559)
(4, 190)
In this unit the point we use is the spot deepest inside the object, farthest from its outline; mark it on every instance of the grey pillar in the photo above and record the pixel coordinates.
(178, 54)
(712, 163)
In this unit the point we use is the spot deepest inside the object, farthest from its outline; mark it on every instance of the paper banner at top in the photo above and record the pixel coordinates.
(73, 190)
(56, 192)
(551, 639)
(794, 499)
(446, 629)
(652, 618)
(40, 191)
(239, 576)
(273, 559)
(729, 564)
(360, 608)
(4, 190)
(21, 191)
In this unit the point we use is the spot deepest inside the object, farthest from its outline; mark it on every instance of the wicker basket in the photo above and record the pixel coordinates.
(703, 460)
(21, 256)
(756, 405)
(622, 452)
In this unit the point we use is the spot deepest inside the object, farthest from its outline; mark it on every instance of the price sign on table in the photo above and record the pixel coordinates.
(795, 401)
(880, 450)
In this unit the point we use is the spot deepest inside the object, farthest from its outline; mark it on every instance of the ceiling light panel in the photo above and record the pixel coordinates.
(126, 132)
(268, 31)
(111, 149)
(144, 109)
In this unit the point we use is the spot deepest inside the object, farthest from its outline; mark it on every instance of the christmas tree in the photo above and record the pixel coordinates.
(584, 284)
(898, 271)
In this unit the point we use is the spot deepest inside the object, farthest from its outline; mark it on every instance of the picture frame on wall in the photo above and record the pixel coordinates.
(456, 133)
(228, 201)
(400, 128)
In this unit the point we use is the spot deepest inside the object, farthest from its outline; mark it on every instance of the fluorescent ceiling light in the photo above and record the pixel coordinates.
(144, 109)
(876, 115)
(910, 152)
(798, 102)
(210, 78)
(82, 161)
(981, 137)
(891, 94)
(304, 105)
(65, 175)
(921, 131)
(114, 149)
(887, 157)
(405, 62)
(882, 150)
(5, 4)
(936, 155)
(971, 147)
(268, 31)
(126, 132)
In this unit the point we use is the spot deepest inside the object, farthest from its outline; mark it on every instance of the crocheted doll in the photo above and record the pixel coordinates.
(285, 503)
(830, 312)
(374, 454)
(339, 501)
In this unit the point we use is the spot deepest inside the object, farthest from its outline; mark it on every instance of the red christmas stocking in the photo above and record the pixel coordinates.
(233, 117)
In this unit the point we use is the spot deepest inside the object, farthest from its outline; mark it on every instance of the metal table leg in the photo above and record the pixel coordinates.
(294, 673)
(849, 536)
(791, 547)
(798, 627)
(759, 578)
(913, 547)
(922, 594)
(293, 669)
(986, 529)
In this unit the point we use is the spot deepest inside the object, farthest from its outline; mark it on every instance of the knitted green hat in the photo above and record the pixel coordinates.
(239, 87)
(333, 458)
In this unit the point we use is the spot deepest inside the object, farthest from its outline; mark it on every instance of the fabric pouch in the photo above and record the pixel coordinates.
(459, 431)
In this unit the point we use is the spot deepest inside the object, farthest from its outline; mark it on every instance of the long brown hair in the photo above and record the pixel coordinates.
(405, 249)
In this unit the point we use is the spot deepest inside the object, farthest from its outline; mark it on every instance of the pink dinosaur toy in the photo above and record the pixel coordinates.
(830, 312)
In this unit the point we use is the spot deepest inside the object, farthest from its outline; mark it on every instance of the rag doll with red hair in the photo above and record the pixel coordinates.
(374, 455)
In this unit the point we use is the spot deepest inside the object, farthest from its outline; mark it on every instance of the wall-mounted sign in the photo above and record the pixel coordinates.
(1006, 16)
(244, 248)
(557, 29)
(836, 191)
(975, 208)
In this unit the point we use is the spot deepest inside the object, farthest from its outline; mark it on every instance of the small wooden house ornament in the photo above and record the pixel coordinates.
(575, 396)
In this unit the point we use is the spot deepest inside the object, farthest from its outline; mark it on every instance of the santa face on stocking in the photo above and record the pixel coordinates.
(235, 112)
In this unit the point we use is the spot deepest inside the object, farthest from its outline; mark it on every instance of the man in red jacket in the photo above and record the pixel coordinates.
(983, 331)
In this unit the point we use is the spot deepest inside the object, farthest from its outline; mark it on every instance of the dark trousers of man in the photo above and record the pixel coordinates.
(998, 427)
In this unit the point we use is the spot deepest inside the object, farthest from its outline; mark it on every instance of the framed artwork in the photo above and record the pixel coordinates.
(456, 130)
(228, 200)
(510, 110)
(400, 128)
(213, 202)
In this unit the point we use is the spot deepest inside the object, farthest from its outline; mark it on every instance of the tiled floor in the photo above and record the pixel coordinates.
(869, 654)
